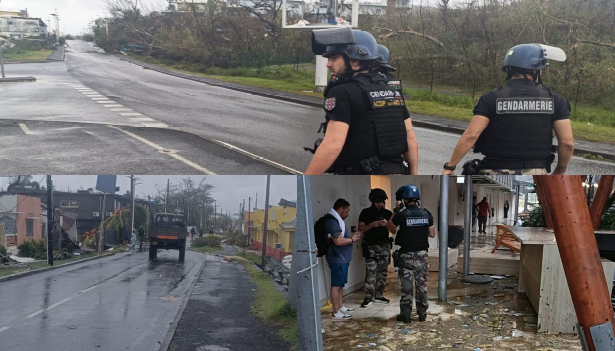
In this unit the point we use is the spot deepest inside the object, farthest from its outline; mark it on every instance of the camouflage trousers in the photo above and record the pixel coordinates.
(527, 171)
(413, 272)
(376, 270)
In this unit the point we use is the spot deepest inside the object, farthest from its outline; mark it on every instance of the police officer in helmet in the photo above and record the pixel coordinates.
(382, 65)
(415, 226)
(383, 62)
(368, 128)
(376, 247)
(513, 125)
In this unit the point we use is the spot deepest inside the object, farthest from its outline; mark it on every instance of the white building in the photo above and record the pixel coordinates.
(22, 28)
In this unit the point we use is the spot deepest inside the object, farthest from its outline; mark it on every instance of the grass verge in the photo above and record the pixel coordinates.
(208, 249)
(588, 123)
(254, 258)
(9, 270)
(271, 307)
(26, 55)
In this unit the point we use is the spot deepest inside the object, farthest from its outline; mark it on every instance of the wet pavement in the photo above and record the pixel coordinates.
(475, 317)
(218, 315)
(123, 302)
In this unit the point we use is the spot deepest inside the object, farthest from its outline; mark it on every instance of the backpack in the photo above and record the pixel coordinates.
(321, 236)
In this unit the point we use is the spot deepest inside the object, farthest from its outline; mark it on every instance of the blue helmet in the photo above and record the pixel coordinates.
(407, 192)
(529, 57)
(364, 49)
(384, 58)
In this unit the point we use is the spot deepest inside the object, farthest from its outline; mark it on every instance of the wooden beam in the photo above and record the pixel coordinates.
(605, 186)
(542, 198)
(577, 246)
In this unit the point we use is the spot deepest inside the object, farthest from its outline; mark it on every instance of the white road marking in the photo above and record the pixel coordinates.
(106, 102)
(99, 98)
(116, 105)
(155, 125)
(25, 128)
(121, 109)
(254, 156)
(4, 329)
(130, 114)
(142, 119)
(49, 308)
(166, 151)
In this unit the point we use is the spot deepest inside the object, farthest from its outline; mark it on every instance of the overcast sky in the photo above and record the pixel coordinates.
(76, 14)
(229, 190)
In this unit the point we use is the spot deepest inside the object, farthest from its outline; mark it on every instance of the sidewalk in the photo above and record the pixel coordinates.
(218, 315)
(607, 151)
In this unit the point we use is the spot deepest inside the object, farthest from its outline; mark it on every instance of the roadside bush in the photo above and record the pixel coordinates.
(36, 249)
(209, 240)
(3, 251)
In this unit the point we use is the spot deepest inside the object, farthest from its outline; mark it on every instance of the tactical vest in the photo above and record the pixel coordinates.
(382, 132)
(522, 128)
(414, 232)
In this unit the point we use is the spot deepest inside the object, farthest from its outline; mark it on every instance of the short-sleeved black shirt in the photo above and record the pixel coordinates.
(378, 235)
(486, 104)
(350, 103)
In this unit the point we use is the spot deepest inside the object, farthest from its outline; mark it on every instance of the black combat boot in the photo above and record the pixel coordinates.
(422, 318)
(402, 318)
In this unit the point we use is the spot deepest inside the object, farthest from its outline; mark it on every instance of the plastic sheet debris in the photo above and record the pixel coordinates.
(458, 311)
(22, 259)
(408, 331)
(465, 325)
(498, 277)
(372, 344)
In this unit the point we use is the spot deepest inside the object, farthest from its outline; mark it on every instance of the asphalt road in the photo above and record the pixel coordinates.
(122, 302)
(174, 125)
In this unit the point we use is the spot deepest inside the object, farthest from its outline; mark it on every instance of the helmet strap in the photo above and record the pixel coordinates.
(351, 72)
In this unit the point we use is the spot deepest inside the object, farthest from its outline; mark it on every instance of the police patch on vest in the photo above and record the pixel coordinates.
(416, 221)
(525, 105)
(395, 84)
(385, 98)
(330, 104)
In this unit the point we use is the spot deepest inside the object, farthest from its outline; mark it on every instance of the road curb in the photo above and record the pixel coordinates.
(415, 119)
(40, 270)
(17, 79)
(164, 346)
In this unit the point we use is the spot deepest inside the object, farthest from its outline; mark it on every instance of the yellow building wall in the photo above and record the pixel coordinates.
(277, 216)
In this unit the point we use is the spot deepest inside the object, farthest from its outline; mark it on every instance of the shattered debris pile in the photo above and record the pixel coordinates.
(490, 317)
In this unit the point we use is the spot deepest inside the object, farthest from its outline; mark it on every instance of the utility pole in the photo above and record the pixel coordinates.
(215, 212)
(132, 208)
(249, 218)
(101, 232)
(166, 201)
(265, 224)
(256, 202)
(50, 213)
(243, 217)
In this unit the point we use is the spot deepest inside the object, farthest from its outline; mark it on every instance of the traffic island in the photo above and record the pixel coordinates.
(17, 79)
